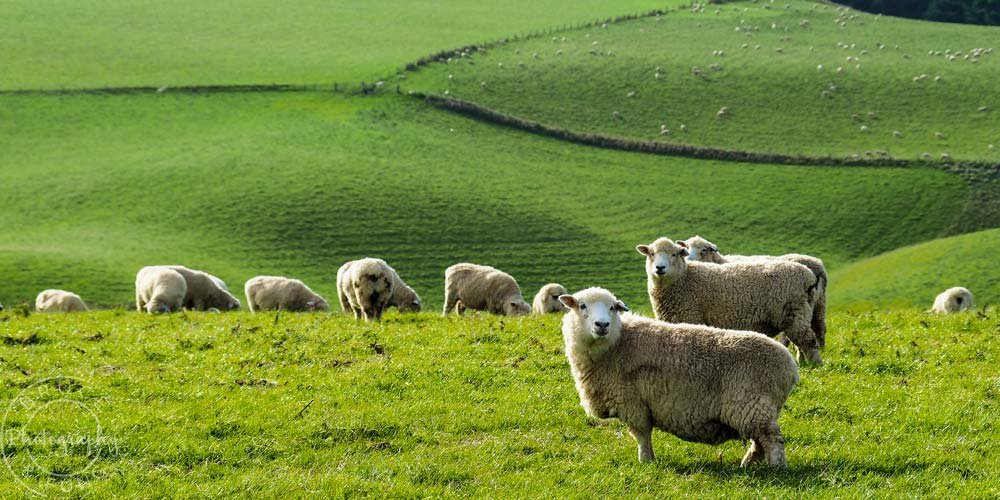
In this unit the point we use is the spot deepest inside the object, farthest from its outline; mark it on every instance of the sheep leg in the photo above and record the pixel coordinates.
(819, 319)
(345, 303)
(799, 332)
(460, 308)
(138, 302)
(643, 435)
(755, 453)
(449, 301)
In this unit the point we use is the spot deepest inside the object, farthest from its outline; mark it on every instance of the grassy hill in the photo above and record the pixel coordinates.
(94, 187)
(201, 405)
(914, 275)
(71, 44)
(777, 75)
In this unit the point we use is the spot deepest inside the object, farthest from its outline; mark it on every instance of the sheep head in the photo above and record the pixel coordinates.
(665, 259)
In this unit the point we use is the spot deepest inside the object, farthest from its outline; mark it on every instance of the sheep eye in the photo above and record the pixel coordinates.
(583, 306)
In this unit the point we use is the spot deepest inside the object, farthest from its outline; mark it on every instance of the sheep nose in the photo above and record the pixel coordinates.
(601, 327)
(661, 269)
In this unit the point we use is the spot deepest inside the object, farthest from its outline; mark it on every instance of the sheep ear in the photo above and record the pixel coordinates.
(568, 301)
(621, 307)
(682, 243)
(643, 249)
(684, 252)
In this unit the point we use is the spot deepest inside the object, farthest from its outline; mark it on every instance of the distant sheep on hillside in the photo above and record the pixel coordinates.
(547, 299)
(59, 301)
(483, 288)
(159, 289)
(268, 293)
(365, 287)
(952, 300)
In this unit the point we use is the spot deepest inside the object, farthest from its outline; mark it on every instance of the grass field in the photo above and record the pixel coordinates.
(294, 405)
(71, 44)
(246, 184)
(579, 78)
(914, 275)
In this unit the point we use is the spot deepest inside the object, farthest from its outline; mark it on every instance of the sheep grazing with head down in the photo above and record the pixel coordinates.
(547, 299)
(766, 296)
(159, 289)
(366, 287)
(702, 250)
(204, 291)
(699, 383)
(952, 300)
(59, 301)
(482, 288)
(269, 293)
(404, 298)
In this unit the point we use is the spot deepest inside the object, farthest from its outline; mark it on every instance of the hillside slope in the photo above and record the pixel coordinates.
(799, 80)
(94, 187)
(914, 275)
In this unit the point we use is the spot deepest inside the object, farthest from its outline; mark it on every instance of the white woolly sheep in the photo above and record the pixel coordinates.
(483, 288)
(59, 301)
(678, 378)
(766, 296)
(702, 250)
(203, 291)
(268, 293)
(952, 300)
(404, 298)
(547, 299)
(365, 287)
(159, 289)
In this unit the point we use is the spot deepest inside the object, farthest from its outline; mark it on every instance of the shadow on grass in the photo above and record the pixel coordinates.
(822, 474)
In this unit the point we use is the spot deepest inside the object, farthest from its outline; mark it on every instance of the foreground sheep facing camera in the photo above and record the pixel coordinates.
(366, 287)
(703, 250)
(547, 299)
(268, 293)
(699, 383)
(952, 300)
(204, 292)
(482, 288)
(159, 289)
(766, 296)
(59, 301)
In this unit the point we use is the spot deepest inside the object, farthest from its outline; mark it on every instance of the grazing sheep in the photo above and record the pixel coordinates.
(268, 293)
(547, 299)
(159, 289)
(404, 298)
(766, 296)
(365, 286)
(678, 378)
(702, 250)
(483, 288)
(204, 293)
(59, 301)
(952, 300)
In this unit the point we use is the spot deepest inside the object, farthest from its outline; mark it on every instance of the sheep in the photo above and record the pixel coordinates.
(159, 289)
(766, 296)
(403, 298)
(1, 307)
(547, 299)
(59, 301)
(952, 300)
(266, 293)
(365, 287)
(203, 292)
(679, 378)
(483, 288)
(702, 250)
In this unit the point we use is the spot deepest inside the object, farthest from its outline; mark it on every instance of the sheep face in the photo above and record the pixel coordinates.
(157, 307)
(1, 307)
(664, 258)
(516, 306)
(317, 304)
(593, 314)
(410, 306)
(702, 250)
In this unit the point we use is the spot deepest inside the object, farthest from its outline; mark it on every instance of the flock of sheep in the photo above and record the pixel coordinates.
(706, 369)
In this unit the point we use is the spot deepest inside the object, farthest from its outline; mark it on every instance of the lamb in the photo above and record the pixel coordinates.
(952, 300)
(365, 287)
(404, 298)
(679, 378)
(159, 289)
(59, 301)
(766, 296)
(268, 293)
(703, 250)
(203, 292)
(547, 299)
(483, 288)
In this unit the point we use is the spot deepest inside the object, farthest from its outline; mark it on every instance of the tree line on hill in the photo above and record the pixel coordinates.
(949, 11)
